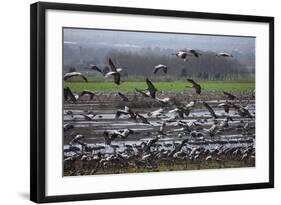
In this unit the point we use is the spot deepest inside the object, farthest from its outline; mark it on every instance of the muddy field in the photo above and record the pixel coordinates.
(166, 142)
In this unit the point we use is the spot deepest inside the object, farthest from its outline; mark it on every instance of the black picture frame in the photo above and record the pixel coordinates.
(38, 101)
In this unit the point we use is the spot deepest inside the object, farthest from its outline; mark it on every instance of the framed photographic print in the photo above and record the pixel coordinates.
(129, 102)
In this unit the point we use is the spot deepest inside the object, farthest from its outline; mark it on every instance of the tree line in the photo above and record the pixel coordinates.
(141, 63)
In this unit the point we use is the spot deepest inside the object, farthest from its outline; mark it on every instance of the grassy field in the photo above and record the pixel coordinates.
(161, 86)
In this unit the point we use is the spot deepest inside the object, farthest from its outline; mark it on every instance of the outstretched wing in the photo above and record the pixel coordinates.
(123, 97)
(229, 95)
(107, 139)
(86, 117)
(151, 88)
(195, 85)
(116, 78)
(94, 67)
(70, 75)
(212, 112)
(84, 77)
(109, 74)
(112, 66)
(225, 107)
(194, 52)
(192, 82)
(119, 113)
(198, 89)
(156, 68)
(143, 119)
(152, 141)
(142, 93)
(68, 93)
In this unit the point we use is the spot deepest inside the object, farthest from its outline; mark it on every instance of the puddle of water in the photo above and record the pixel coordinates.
(93, 130)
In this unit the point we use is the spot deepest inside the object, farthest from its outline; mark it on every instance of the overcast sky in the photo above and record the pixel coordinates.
(135, 40)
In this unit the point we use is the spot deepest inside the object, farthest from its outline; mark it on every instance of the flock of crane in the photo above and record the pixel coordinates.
(116, 71)
(198, 131)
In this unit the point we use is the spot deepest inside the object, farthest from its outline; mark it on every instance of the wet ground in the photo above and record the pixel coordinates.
(237, 136)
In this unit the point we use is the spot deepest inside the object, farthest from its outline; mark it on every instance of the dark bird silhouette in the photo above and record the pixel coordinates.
(181, 111)
(142, 118)
(224, 123)
(196, 134)
(67, 127)
(184, 125)
(126, 111)
(113, 67)
(68, 95)
(151, 88)
(160, 66)
(211, 111)
(115, 72)
(70, 112)
(243, 112)
(195, 85)
(161, 128)
(96, 68)
(195, 53)
(125, 133)
(79, 139)
(226, 106)
(88, 117)
(105, 70)
(87, 92)
(73, 74)
(124, 98)
(72, 149)
(147, 95)
(109, 136)
(150, 143)
(116, 76)
(229, 95)
(182, 54)
(223, 54)
(212, 130)
(178, 147)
